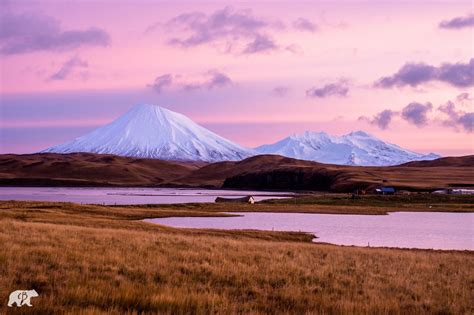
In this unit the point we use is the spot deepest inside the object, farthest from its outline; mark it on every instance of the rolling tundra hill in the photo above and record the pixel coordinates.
(272, 172)
(88, 169)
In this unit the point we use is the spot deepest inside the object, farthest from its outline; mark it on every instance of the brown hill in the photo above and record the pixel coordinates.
(87, 169)
(458, 161)
(281, 173)
(260, 172)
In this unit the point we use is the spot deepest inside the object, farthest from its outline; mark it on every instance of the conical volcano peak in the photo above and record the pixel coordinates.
(151, 131)
(152, 109)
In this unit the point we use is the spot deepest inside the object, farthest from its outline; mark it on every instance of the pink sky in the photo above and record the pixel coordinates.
(325, 57)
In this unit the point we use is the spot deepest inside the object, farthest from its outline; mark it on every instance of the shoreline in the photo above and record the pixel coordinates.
(315, 236)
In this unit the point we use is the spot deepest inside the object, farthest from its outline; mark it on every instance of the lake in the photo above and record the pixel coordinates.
(428, 230)
(127, 196)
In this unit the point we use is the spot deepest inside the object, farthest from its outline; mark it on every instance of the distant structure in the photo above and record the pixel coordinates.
(246, 199)
(385, 190)
(454, 191)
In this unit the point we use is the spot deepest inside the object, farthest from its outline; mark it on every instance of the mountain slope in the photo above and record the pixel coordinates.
(150, 131)
(356, 148)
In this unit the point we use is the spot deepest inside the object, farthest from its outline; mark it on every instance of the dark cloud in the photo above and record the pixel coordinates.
(68, 68)
(383, 119)
(458, 118)
(467, 121)
(417, 113)
(410, 74)
(22, 33)
(239, 30)
(458, 74)
(161, 82)
(303, 24)
(413, 74)
(332, 89)
(458, 22)
(280, 91)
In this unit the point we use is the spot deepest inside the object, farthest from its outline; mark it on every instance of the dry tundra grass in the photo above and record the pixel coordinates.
(97, 260)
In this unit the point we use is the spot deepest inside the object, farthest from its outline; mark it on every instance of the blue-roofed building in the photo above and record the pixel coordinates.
(385, 190)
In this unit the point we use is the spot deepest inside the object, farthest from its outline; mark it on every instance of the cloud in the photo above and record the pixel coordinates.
(417, 113)
(464, 97)
(383, 119)
(281, 91)
(23, 33)
(458, 22)
(161, 82)
(68, 68)
(238, 30)
(457, 118)
(332, 89)
(467, 121)
(208, 80)
(414, 74)
(460, 75)
(303, 24)
(229, 30)
(213, 79)
(261, 43)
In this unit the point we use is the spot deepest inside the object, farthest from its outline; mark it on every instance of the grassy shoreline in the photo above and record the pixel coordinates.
(85, 259)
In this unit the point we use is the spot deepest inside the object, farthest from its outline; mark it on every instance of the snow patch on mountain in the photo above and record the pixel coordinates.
(355, 148)
(150, 131)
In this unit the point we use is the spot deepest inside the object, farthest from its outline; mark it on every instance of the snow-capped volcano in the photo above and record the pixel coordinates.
(355, 148)
(150, 131)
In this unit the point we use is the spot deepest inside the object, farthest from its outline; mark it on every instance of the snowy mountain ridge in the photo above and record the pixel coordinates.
(355, 148)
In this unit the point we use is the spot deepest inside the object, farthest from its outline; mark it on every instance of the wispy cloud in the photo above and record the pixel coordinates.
(261, 43)
(212, 79)
(25, 33)
(230, 31)
(237, 30)
(69, 67)
(280, 91)
(340, 89)
(161, 82)
(414, 74)
(303, 24)
(458, 22)
(208, 80)
(456, 118)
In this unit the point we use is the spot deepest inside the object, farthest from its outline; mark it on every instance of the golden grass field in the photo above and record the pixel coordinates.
(103, 260)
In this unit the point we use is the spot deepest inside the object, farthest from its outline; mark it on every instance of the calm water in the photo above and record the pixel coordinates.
(127, 196)
(398, 229)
